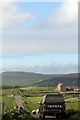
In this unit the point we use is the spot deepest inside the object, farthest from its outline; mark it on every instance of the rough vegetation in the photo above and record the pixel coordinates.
(73, 114)
(17, 114)
(30, 96)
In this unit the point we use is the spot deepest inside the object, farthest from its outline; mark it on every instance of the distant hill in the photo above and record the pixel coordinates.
(34, 79)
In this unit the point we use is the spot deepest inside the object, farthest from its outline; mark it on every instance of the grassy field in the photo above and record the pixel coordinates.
(10, 91)
(39, 88)
(37, 91)
(74, 104)
(68, 96)
(32, 102)
(8, 103)
(35, 95)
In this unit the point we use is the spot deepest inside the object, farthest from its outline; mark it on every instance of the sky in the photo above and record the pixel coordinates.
(39, 37)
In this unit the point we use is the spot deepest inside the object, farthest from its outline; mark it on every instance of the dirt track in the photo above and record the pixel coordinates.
(71, 99)
(18, 102)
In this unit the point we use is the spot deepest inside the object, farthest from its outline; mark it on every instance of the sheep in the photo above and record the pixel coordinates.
(34, 112)
(37, 111)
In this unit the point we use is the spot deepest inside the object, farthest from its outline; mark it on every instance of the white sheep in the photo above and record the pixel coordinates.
(34, 112)
(37, 111)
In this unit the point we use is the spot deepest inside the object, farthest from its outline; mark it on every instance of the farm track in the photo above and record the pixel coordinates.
(18, 102)
(71, 99)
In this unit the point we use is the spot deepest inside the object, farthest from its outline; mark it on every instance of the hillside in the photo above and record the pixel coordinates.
(34, 79)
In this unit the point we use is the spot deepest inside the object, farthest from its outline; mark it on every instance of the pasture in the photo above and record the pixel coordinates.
(74, 104)
(30, 97)
(9, 102)
(32, 103)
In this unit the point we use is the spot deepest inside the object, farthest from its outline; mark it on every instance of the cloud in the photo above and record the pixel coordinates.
(57, 34)
(52, 68)
(68, 12)
(39, 40)
(33, 0)
(10, 14)
(66, 16)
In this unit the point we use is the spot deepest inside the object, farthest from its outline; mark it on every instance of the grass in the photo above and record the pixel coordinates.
(32, 102)
(38, 89)
(70, 96)
(10, 91)
(8, 101)
(34, 99)
(73, 105)
(17, 114)
(73, 114)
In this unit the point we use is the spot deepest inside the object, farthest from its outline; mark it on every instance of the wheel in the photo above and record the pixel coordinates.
(63, 115)
(57, 116)
(40, 116)
(60, 116)
(43, 116)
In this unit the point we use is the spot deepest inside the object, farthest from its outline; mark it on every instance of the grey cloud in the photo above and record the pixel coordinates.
(50, 37)
(34, 0)
(66, 14)
(51, 68)
(10, 15)
(39, 40)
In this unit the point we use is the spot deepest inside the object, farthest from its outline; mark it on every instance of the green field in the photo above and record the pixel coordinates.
(73, 105)
(34, 95)
(39, 88)
(10, 91)
(68, 96)
(9, 101)
(32, 103)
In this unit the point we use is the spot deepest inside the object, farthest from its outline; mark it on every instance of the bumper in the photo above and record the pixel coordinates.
(52, 112)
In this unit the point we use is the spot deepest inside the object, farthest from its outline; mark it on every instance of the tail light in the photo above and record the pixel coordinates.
(44, 106)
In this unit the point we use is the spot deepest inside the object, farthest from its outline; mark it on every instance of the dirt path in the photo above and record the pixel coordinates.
(71, 99)
(18, 102)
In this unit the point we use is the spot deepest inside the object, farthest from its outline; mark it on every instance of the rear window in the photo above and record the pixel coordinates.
(54, 98)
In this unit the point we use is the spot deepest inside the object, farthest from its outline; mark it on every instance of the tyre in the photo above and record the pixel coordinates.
(57, 116)
(40, 116)
(63, 115)
(43, 116)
